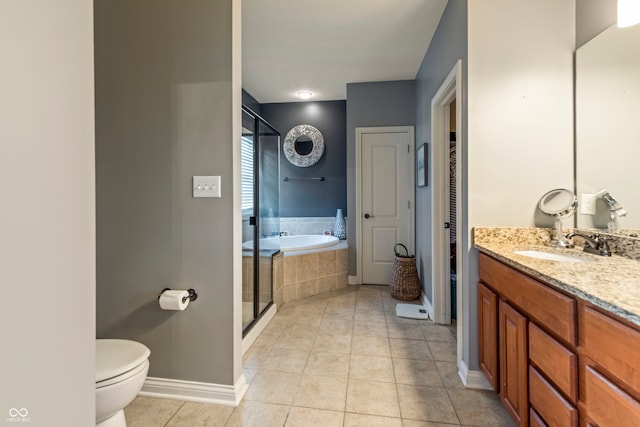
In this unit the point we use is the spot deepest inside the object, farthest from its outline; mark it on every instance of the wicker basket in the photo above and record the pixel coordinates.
(405, 283)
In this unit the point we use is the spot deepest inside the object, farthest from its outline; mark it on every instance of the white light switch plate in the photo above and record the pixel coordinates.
(588, 204)
(206, 186)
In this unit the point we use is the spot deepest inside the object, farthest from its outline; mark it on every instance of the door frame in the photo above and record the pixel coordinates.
(412, 177)
(450, 89)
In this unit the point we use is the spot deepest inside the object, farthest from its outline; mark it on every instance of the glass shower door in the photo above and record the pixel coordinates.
(260, 157)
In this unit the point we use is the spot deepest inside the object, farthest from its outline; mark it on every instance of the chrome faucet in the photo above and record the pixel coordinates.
(593, 244)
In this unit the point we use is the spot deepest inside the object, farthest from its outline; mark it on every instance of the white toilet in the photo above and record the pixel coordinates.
(121, 368)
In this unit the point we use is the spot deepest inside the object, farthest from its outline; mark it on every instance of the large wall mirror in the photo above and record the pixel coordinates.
(608, 127)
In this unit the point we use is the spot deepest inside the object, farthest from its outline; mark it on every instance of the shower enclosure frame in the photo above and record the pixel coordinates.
(256, 220)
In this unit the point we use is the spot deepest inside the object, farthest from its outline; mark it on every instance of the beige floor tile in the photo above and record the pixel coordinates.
(410, 349)
(249, 374)
(250, 414)
(370, 329)
(273, 387)
(439, 333)
(321, 392)
(286, 360)
(373, 368)
(369, 315)
(479, 408)
(361, 420)
(449, 374)
(443, 351)
(339, 312)
(405, 331)
(193, 414)
(373, 398)
(254, 357)
(417, 372)
(370, 346)
(306, 417)
(329, 364)
(336, 327)
(426, 404)
(414, 423)
(149, 411)
(332, 343)
(294, 340)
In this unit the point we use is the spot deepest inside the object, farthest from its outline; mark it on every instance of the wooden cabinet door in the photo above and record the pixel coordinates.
(513, 363)
(488, 334)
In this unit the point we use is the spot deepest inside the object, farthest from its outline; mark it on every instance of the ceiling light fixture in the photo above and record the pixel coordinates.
(304, 94)
(628, 13)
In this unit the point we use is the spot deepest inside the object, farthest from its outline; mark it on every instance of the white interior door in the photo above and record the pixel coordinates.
(386, 199)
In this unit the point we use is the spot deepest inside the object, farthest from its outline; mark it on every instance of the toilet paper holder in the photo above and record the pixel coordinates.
(193, 295)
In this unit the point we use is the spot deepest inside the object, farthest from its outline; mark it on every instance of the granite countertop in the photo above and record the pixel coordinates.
(612, 283)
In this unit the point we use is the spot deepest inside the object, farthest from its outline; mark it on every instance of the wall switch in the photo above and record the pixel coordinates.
(206, 186)
(588, 204)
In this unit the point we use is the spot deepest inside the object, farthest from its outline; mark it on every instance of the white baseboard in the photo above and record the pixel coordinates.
(472, 379)
(257, 329)
(193, 391)
(425, 302)
(353, 280)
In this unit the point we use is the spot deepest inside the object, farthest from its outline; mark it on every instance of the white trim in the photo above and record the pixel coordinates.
(472, 379)
(193, 391)
(257, 329)
(450, 89)
(426, 304)
(412, 196)
(354, 280)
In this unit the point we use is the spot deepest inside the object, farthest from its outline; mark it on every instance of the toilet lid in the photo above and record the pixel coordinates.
(115, 357)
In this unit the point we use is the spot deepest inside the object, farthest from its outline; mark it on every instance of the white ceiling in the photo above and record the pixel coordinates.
(321, 45)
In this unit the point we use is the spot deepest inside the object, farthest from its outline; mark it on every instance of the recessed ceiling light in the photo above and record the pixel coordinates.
(304, 94)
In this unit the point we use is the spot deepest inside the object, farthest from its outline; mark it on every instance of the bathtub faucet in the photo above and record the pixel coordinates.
(283, 233)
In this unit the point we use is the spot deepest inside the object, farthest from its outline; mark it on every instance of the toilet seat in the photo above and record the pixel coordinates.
(117, 360)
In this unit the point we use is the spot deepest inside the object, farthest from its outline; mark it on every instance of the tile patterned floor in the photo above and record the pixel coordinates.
(342, 359)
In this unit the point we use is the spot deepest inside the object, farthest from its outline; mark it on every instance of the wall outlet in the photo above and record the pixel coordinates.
(588, 204)
(206, 186)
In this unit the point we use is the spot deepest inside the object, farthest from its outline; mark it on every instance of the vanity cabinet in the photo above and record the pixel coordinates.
(558, 360)
(609, 369)
(536, 347)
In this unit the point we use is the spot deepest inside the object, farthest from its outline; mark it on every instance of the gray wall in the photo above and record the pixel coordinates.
(47, 220)
(312, 198)
(164, 112)
(369, 105)
(592, 17)
(449, 44)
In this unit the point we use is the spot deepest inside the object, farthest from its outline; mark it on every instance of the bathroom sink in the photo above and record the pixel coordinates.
(551, 256)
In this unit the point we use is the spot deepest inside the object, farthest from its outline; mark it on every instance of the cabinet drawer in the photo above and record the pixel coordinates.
(613, 346)
(557, 362)
(552, 309)
(607, 404)
(549, 403)
(535, 420)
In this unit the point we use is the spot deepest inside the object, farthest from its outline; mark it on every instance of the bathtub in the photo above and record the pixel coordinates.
(295, 243)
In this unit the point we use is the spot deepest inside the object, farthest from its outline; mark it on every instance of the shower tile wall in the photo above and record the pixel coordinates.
(268, 266)
(306, 225)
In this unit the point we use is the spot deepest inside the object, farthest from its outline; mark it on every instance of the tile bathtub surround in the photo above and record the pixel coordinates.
(610, 283)
(308, 273)
(321, 363)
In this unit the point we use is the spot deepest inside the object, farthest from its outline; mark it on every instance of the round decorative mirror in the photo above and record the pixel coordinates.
(303, 146)
(559, 203)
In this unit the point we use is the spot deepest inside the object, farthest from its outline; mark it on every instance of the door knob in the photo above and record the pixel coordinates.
(367, 216)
